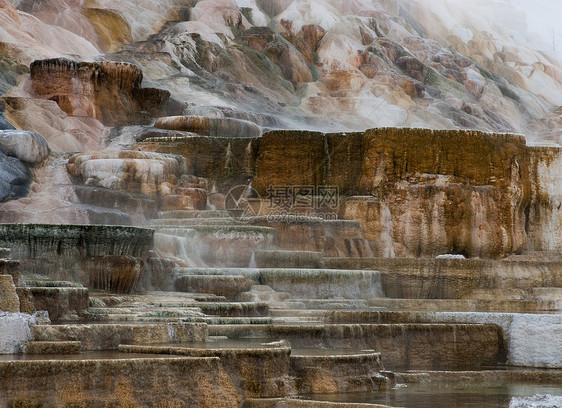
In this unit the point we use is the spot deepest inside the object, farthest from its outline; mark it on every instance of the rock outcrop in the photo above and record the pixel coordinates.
(15, 330)
(136, 172)
(331, 66)
(108, 91)
(29, 147)
(414, 191)
(205, 126)
(15, 178)
(68, 252)
(18, 150)
(9, 300)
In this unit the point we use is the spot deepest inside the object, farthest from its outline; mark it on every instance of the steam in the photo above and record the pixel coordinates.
(543, 23)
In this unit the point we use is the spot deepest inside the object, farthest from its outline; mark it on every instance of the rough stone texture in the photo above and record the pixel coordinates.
(108, 91)
(535, 341)
(470, 200)
(227, 286)
(431, 201)
(338, 373)
(520, 274)
(53, 347)
(135, 172)
(288, 259)
(322, 283)
(9, 300)
(114, 273)
(536, 401)
(530, 340)
(94, 383)
(10, 267)
(15, 178)
(330, 237)
(15, 331)
(425, 67)
(427, 278)
(544, 221)
(4, 125)
(290, 158)
(110, 336)
(57, 251)
(455, 277)
(206, 126)
(256, 372)
(234, 168)
(27, 146)
(60, 302)
(138, 206)
(408, 346)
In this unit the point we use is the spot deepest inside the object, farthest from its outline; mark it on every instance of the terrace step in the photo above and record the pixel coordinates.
(186, 214)
(301, 283)
(108, 336)
(288, 259)
(409, 346)
(187, 222)
(53, 347)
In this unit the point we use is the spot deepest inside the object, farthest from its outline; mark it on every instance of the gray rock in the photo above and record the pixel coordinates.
(28, 146)
(15, 331)
(4, 125)
(14, 178)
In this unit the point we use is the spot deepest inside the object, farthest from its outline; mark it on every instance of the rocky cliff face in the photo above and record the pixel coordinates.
(213, 75)
(107, 91)
(327, 65)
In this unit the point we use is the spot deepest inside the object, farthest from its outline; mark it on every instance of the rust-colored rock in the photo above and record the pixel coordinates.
(186, 199)
(108, 91)
(9, 300)
(293, 65)
(431, 197)
(114, 273)
(258, 37)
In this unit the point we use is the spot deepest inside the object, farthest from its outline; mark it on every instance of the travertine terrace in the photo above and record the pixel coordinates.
(278, 204)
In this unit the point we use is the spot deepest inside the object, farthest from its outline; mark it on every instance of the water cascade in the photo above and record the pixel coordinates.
(167, 241)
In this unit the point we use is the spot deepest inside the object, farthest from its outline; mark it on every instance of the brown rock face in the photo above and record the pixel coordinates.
(115, 273)
(200, 382)
(258, 37)
(293, 65)
(427, 196)
(470, 200)
(9, 300)
(108, 91)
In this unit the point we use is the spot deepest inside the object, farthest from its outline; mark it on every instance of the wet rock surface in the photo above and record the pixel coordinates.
(61, 251)
(290, 299)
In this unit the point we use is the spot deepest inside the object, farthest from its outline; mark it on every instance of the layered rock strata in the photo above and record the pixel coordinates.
(64, 252)
(108, 91)
(94, 383)
(414, 191)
